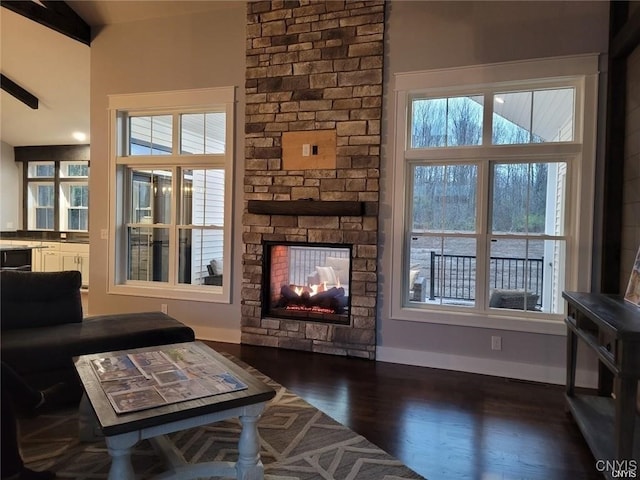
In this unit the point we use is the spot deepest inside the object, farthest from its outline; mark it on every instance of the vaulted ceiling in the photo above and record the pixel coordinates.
(52, 67)
(56, 68)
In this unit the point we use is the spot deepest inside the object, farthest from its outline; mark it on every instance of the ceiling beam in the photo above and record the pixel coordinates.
(55, 15)
(15, 90)
(627, 38)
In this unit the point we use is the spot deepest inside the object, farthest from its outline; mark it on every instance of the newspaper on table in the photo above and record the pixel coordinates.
(138, 381)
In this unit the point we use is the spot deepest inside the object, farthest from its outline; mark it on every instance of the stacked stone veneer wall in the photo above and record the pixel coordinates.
(313, 65)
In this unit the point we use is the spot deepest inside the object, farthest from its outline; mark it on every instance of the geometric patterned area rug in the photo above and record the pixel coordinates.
(297, 442)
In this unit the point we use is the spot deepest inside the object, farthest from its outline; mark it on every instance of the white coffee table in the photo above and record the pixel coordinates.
(123, 431)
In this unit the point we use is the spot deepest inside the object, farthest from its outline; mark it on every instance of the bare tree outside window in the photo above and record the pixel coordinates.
(441, 122)
(519, 197)
(465, 121)
(444, 198)
(429, 123)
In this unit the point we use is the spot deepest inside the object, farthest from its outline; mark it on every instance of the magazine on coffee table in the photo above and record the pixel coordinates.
(138, 381)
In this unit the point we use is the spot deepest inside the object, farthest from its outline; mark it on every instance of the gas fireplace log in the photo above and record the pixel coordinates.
(326, 299)
(340, 303)
(331, 293)
(329, 298)
(289, 293)
(337, 304)
(287, 297)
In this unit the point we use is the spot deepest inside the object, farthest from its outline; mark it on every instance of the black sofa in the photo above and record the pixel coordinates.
(43, 328)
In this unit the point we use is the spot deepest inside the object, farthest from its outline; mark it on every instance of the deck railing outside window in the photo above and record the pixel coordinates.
(452, 276)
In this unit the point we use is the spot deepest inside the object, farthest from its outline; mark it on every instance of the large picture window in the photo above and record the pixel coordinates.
(486, 206)
(171, 198)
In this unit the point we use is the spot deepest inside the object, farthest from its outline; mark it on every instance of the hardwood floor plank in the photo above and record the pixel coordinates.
(444, 425)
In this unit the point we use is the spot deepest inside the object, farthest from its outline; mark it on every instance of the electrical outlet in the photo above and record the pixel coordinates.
(164, 309)
(496, 343)
(306, 149)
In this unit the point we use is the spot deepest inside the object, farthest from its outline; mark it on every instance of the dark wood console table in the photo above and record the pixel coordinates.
(610, 327)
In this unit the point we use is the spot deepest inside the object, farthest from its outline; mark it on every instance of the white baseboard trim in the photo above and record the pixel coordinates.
(485, 366)
(212, 334)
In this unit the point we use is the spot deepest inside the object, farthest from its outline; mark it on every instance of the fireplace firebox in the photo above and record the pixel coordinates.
(306, 281)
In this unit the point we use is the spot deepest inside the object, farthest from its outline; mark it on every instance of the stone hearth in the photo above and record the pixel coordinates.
(314, 66)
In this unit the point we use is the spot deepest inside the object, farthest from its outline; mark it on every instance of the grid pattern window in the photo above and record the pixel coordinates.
(443, 220)
(41, 206)
(75, 170)
(203, 133)
(75, 198)
(533, 116)
(57, 196)
(150, 135)
(487, 195)
(171, 197)
(41, 170)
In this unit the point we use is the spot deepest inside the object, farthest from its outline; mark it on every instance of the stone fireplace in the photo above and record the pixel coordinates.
(314, 73)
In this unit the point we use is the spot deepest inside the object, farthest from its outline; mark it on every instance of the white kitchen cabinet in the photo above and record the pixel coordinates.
(57, 256)
(49, 260)
(75, 256)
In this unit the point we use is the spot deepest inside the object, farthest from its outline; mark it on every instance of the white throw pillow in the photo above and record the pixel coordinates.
(341, 269)
(413, 274)
(326, 275)
(216, 266)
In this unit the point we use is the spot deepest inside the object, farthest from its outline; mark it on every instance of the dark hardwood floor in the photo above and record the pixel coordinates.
(444, 425)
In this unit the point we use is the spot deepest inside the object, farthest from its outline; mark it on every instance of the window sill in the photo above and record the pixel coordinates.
(209, 293)
(546, 324)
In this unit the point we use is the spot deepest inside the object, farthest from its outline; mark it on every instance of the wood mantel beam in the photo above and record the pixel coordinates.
(311, 208)
(55, 15)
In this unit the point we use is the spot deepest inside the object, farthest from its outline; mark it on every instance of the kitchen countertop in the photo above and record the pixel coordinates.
(6, 248)
(38, 237)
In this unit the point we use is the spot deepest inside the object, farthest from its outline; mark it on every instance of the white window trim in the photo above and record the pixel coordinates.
(183, 101)
(580, 183)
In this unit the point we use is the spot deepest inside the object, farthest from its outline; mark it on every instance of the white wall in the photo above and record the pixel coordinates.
(430, 35)
(178, 53)
(10, 189)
